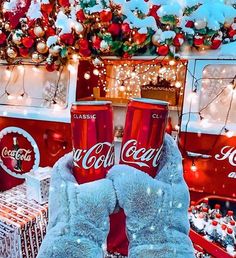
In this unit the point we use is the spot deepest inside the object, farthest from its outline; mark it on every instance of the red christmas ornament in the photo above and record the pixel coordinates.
(105, 16)
(80, 15)
(24, 51)
(67, 38)
(139, 38)
(178, 40)
(2, 38)
(96, 42)
(163, 50)
(27, 42)
(215, 43)
(50, 32)
(231, 32)
(31, 32)
(84, 52)
(198, 40)
(83, 44)
(189, 24)
(127, 55)
(125, 28)
(114, 29)
(50, 67)
(64, 3)
(153, 12)
(47, 8)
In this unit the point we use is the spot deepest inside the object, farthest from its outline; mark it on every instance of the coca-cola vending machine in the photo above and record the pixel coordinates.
(35, 119)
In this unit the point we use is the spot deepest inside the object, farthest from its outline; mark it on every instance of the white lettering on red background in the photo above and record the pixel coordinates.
(229, 153)
(232, 175)
(140, 156)
(84, 116)
(94, 156)
(20, 154)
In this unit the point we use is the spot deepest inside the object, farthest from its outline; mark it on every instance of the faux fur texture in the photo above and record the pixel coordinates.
(78, 215)
(156, 209)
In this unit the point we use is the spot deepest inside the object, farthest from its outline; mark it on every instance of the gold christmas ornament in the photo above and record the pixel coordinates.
(38, 31)
(156, 39)
(55, 50)
(36, 57)
(42, 47)
(11, 52)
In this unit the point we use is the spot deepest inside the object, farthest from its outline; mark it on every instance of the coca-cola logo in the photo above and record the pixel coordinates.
(99, 155)
(19, 152)
(131, 154)
(227, 152)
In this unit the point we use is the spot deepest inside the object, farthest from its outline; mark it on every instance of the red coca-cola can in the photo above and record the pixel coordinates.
(144, 131)
(92, 139)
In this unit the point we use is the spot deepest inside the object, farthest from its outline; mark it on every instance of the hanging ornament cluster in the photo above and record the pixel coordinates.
(50, 31)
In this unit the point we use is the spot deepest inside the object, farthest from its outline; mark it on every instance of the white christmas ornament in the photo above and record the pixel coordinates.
(200, 24)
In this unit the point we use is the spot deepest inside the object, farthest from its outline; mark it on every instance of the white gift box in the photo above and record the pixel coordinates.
(37, 184)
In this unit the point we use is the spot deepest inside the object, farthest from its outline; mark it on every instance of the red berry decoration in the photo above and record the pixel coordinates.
(114, 29)
(85, 52)
(139, 38)
(80, 15)
(64, 3)
(50, 67)
(198, 40)
(125, 28)
(50, 32)
(215, 43)
(28, 42)
(67, 38)
(96, 42)
(2, 38)
(153, 12)
(163, 50)
(83, 44)
(105, 16)
(24, 51)
(189, 24)
(231, 33)
(47, 8)
(178, 40)
(127, 55)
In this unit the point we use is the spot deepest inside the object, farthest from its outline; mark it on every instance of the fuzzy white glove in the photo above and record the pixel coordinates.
(156, 209)
(78, 215)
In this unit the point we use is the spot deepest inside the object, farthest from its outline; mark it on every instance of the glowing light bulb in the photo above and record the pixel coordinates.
(10, 97)
(75, 57)
(176, 127)
(172, 62)
(178, 84)
(96, 72)
(122, 88)
(35, 69)
(193, 167)
(87, 76)
(8, 73)
(71, 68)
(229, 133)
(21, 68)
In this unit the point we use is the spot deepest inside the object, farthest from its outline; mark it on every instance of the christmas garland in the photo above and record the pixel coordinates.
(51, 31)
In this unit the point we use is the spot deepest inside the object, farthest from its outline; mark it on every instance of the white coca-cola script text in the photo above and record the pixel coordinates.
(229, 153)
(20, 154)
(130, 154)
(101, 154)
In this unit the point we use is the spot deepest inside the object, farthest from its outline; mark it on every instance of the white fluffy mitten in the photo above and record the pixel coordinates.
(78, 215)
(156, 209)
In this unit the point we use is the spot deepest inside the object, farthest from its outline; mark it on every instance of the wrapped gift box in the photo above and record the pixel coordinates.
(37, 184)
(22, 224)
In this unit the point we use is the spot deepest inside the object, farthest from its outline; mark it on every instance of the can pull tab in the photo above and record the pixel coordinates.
(54, 141)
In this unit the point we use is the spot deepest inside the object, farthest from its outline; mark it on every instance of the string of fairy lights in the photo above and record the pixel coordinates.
(128, 77)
